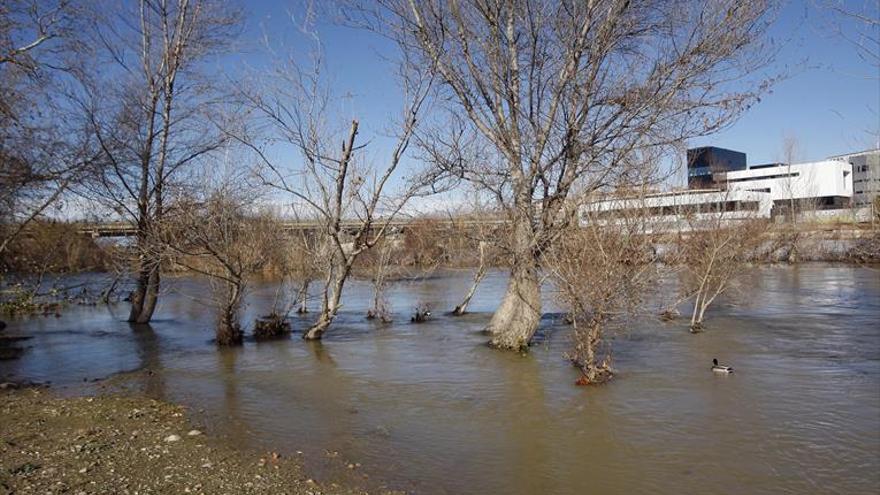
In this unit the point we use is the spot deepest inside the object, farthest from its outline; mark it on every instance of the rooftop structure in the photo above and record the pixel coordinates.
(704, 164)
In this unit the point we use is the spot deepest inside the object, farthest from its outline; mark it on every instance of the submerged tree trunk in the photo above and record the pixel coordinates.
(316, 332)
(228, 329)
(228, 326)
(462, 307)
(588, 364)
(137, 296)
(145, 296)
(587, 352)
(303, 297)
(151, 297)
(516, 319)
(380, 308)
(700, 305)
(695, 311)
(703, 301)
(330, 305)
(478, 277)
(108, 291)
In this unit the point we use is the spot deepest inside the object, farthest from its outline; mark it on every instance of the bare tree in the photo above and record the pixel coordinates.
(223, 237)
(790, 154)
(799, 204)
(479, 274)
(41, 150)
(548, 96)
(351, 199)
(306, 265)
(714, 253)
(602, 270)
(28, 27)
(481, 234)
(788, 239)
(150, 107)
(379, 270)
(858, 23)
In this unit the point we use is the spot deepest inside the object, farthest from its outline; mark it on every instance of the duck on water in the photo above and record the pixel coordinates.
(717, 368)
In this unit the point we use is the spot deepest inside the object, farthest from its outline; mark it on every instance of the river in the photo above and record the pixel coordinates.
(429, 408)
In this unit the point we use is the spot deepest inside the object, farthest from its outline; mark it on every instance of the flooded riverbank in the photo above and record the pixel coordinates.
(429, 408)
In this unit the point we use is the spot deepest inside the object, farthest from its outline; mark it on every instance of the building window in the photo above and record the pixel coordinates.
(765, 177)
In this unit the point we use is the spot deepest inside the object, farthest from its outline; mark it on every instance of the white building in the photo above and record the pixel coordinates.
(824, 184)
(681, 211)
(865, 175)
(760, 191)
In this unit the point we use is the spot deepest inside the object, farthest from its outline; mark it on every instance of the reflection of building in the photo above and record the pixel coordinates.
(865, 175)
(704, 165)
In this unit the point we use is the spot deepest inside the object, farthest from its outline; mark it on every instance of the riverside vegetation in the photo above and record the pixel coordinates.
(240, 249)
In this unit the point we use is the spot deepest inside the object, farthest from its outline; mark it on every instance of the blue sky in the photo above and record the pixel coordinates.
(829, 103)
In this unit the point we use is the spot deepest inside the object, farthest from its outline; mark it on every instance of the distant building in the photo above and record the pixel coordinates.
(706, 163)
(826, 184)
(815, 185)
(681, 211)
(721, 184)
(865, 175)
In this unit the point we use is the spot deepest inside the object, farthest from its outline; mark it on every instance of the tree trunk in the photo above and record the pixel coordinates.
(228, 327)
(143, 215)
(228, 330)
(108, 291)
(303, 296)
(151, 296)
(329, 308)
(376, 311)
(588, 366)
(478, 277)
(316, 332)
(516, 319)
(145, 296)
(462, 307)
(696, 316)
(138, 295)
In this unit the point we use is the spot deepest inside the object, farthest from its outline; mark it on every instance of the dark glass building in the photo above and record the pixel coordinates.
(703, 163)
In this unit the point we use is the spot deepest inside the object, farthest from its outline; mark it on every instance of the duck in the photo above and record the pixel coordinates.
(717, 368)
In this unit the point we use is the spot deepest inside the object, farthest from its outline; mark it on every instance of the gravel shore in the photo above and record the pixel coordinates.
(129, 445)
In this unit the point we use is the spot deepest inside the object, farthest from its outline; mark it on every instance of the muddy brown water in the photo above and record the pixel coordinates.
(428, 408)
